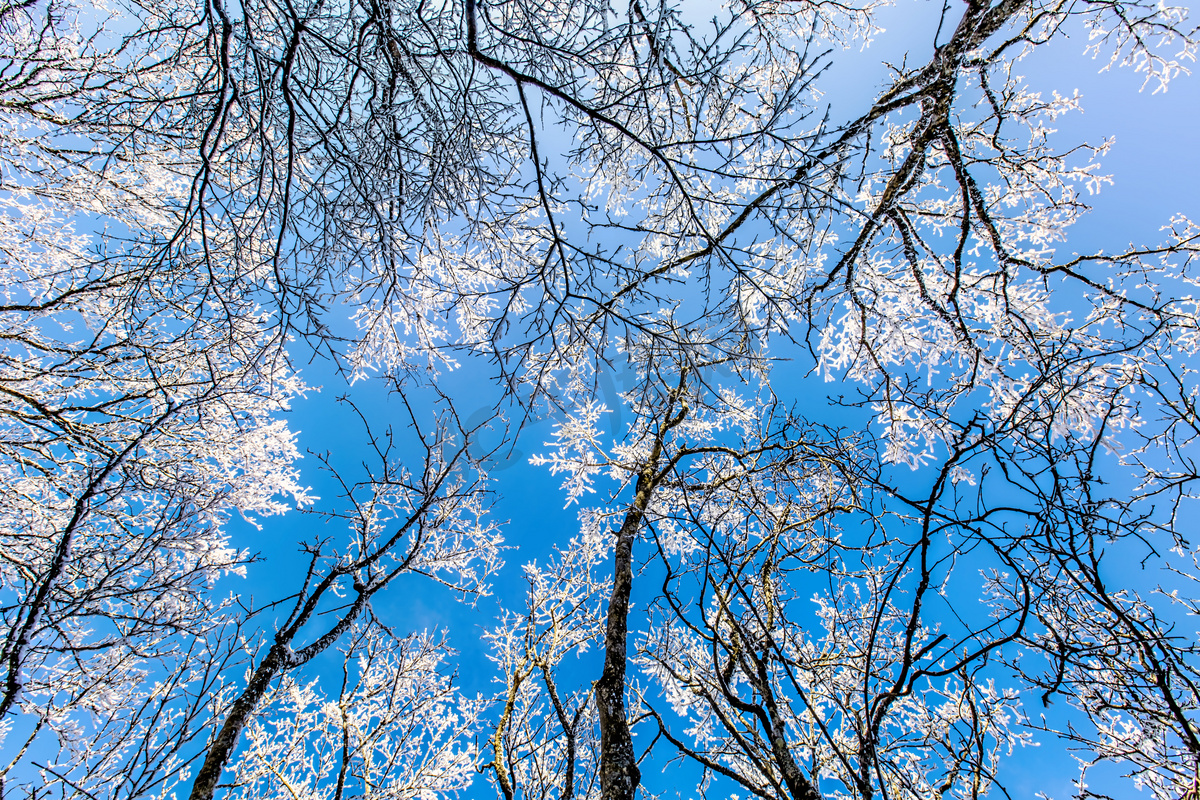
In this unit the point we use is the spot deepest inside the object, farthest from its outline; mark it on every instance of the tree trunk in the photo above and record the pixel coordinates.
(222, 747)
(619, 773)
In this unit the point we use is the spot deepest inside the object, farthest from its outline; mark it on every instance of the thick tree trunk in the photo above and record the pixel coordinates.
(619, 773)
(222, 747)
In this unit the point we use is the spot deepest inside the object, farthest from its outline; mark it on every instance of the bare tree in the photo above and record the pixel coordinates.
(401, 522)
(396, 728)
(548, 190)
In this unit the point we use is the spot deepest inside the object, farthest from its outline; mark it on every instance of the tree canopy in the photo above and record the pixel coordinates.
(896, 485)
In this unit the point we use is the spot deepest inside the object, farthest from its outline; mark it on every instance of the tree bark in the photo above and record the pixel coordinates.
(619, 773)
(222, 747)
